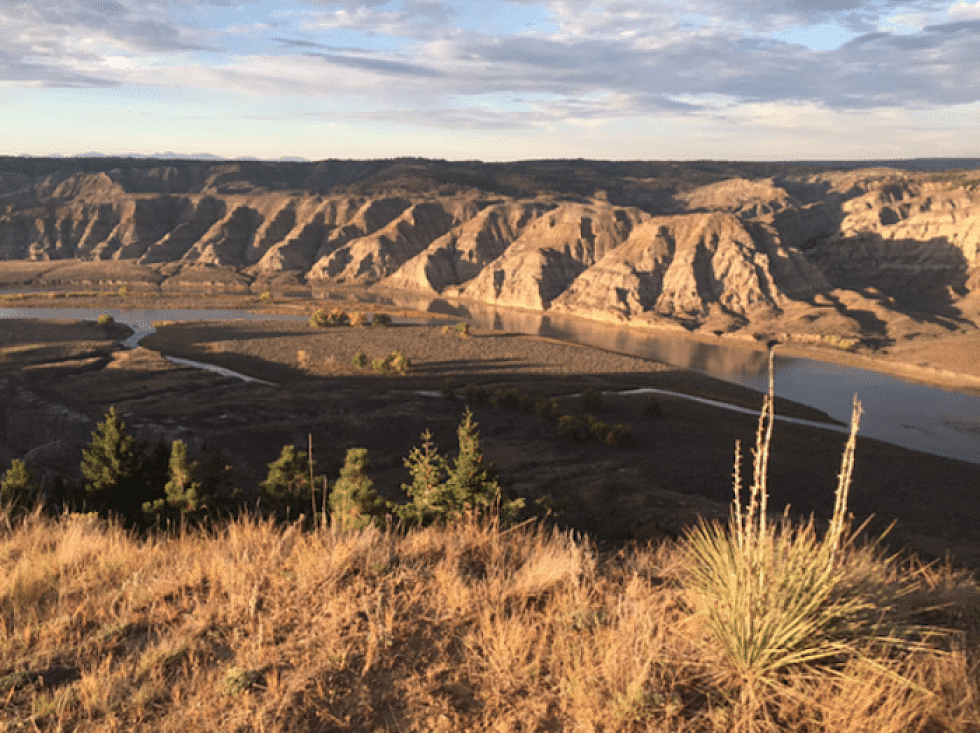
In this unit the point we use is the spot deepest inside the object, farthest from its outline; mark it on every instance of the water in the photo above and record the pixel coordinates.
(938, 421)
(929, 419)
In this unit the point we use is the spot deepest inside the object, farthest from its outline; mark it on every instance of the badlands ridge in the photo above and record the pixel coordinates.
(876, 255)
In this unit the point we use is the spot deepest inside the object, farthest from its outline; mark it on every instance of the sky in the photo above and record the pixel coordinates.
(492, 79)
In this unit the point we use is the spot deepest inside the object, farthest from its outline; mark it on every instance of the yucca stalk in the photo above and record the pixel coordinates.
(775, 596)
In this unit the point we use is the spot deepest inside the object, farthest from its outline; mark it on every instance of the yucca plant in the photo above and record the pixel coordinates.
(774, 597)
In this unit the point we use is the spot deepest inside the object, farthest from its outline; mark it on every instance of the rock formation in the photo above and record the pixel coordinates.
(710, 246)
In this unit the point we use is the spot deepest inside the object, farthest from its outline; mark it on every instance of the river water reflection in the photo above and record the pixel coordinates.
(924, 418)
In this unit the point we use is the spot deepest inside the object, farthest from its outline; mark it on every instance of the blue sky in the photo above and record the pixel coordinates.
(492, 79)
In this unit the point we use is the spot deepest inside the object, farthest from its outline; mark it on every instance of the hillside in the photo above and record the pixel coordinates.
(874, 254)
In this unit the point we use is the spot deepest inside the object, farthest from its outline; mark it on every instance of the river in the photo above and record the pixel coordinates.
(929, 419)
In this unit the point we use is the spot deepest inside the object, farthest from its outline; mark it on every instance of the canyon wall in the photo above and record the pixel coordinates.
(700, 247)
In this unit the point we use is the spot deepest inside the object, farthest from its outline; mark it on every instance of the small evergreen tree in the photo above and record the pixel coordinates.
(18, 491)
(111, 469)
(427, 490)
(354, 502)
(184, 494)
(472, 483)
(287, 490)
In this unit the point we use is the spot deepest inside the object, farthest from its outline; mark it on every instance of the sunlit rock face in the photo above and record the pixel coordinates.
(720, 247)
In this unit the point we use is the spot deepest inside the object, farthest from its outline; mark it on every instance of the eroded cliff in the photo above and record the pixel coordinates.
(706, 247)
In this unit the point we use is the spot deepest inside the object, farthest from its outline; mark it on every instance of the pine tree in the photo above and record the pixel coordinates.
(184, 494)
(287, 489)
(427, 489)
(472, 482)
(18, 490)
(111, 469)
(354, 502)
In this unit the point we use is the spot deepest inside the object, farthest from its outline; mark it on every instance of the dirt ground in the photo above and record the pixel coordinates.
(680, 469)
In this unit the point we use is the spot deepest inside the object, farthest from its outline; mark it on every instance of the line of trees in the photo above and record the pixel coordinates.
(164, 486)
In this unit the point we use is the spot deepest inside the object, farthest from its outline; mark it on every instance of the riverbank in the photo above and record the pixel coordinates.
(947, 361)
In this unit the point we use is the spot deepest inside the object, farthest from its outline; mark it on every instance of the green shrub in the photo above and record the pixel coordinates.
(399, 363)
(549, 408)
(621, 436)
(381, 320)
(380, 365)
(471, 484)
(360, 360)
(773, 597)
(123, 291)
(591, 399)
(358, 319)
(572, 427)
(338, 317)
(266, 297)
(505, 399)
(597, 430)
(18, 490)
(463, 330)
(354, 502)
(105, 320)
(319, 319)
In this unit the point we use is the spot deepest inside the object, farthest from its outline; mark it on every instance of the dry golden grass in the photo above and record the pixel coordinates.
(263, 627)
(749, 626)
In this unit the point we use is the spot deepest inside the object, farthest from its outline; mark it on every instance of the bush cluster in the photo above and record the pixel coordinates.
(396, 362)
(580, 428)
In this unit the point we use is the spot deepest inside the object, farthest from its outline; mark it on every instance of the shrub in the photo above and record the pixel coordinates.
(105, 320)
(338, 317)
(123, 291)
(319, 319)
(591, 399)
(774, 597)
(360, 360)
(185, 494)
(463, 330)
(474, 393)
(18, 491)
(399, 363)
(549, 408)
(358, 319)
(597, 430)
(572, 427)
(380, 365)
(266, 297)
(505, 399)
(381, 320)
(354, 502)
(621, 436)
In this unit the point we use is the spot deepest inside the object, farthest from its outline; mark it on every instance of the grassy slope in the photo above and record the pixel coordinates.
(263, 627)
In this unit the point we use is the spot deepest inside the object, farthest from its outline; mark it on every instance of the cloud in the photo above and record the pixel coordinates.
(384, 67)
